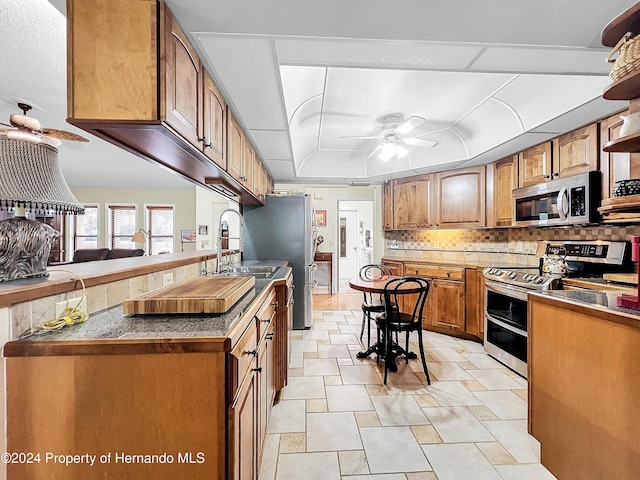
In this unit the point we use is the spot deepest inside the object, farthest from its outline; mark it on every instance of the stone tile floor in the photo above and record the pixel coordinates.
(336, 420)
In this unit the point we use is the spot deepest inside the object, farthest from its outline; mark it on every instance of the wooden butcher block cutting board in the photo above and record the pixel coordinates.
(195, 295)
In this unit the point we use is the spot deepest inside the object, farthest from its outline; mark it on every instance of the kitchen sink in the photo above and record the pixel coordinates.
(258, 271)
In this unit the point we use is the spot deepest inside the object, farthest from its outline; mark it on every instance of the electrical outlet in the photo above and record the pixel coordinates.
(519, 247)
(79, 302)
(167, 279)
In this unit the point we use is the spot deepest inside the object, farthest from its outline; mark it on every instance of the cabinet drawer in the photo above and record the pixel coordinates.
(434, 271)
(322, 257)
(245, 351)
(266, 315)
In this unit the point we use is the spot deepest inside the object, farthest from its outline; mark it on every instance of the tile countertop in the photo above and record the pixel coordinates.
(477, 264)
(113, 326)
(599, 303)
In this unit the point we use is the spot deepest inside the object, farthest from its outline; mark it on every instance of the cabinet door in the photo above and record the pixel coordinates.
(460, 198)
(247, 164)
(615, 165)
(235, 145)
(387, 205)
(447, 304)
(474, 303)
(183, 99)
(266, 391)
(505, 179)
(243, 418)
(214, 122)
(412, 202)
(534, 165)
(576, 152)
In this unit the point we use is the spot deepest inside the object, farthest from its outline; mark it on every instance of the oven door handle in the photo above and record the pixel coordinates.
(517, 293)
(506, 326)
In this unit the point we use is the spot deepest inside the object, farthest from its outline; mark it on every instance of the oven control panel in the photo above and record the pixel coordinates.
(526, 278)
(598, 251)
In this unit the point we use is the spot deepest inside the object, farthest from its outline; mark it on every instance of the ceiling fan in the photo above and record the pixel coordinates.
(29, 129)
(393, 137)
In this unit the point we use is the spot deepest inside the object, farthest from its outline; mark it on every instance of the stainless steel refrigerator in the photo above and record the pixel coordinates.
(284, 229)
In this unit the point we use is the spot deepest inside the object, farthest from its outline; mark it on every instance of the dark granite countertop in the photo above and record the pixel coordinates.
(597, 301)
(113, 324)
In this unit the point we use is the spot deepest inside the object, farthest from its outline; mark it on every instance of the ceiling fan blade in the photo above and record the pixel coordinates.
(62, 135)
(357, 137)
(375, 151)
(418, 142)
(409, 125)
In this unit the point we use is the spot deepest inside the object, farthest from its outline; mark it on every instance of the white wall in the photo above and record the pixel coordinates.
(183, 200)
(209, 206)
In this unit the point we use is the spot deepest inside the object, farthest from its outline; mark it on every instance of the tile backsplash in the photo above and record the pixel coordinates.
(513, 245)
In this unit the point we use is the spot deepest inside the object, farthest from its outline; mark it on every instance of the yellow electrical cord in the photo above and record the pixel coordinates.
(72, 315)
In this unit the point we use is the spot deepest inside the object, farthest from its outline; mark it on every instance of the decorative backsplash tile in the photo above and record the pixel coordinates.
(514, 245)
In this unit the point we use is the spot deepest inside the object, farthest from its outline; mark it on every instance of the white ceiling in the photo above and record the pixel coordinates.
(489, 77)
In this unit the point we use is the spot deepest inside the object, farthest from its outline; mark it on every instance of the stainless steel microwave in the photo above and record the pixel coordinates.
(567, 201)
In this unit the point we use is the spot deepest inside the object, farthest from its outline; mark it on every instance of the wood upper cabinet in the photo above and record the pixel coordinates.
(413, 199)
(461, 198)
(387, 205)
(576, 152)
(248, 160)
(502, 179)
(615, 165)
(235, 146)
(569, 154)
(534, 165)
(183, 86)
(214, 122)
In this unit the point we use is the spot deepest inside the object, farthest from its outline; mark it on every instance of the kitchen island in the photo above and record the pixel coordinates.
(584, 366)
(167, 396)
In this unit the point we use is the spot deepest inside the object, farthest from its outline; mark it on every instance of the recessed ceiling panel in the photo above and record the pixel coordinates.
(491, 124)
(249, 73)
(556, 60)
(374, 53)
(540, 98)
(301, 84)
(272, 144)
(332, 164)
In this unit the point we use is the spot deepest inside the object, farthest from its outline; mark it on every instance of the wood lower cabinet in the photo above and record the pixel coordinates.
(204, 400)
(445, 306)
(460, 198)
(413, 199)
(474, 302)
(502, 179)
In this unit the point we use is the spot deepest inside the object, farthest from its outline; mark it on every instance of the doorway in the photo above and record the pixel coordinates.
(354, 246)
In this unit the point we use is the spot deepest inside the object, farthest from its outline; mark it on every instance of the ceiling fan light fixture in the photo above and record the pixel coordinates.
(401, 151)
(387, 152)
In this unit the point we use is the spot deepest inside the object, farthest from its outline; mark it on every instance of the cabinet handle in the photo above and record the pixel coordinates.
(555, 174)
(275, 304)
(435, 284)
(266, 320)
(259, 369)
(204, 142)
(448, 274)
(252, 352)
(431, 224)
(270, 336)
(437, 224)
(546, 176)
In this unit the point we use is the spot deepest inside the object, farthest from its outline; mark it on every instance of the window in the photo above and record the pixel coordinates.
(122, 225)
(85, 228)
(160, 229)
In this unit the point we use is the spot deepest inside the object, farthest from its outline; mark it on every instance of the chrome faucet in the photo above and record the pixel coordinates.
(219, 261)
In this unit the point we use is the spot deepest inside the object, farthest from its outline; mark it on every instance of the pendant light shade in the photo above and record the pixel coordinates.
(30, 179)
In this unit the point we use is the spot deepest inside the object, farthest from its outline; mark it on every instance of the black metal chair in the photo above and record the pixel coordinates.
(393, 320)
(372, 303)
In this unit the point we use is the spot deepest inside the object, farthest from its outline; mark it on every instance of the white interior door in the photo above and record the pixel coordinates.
(348, 244)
